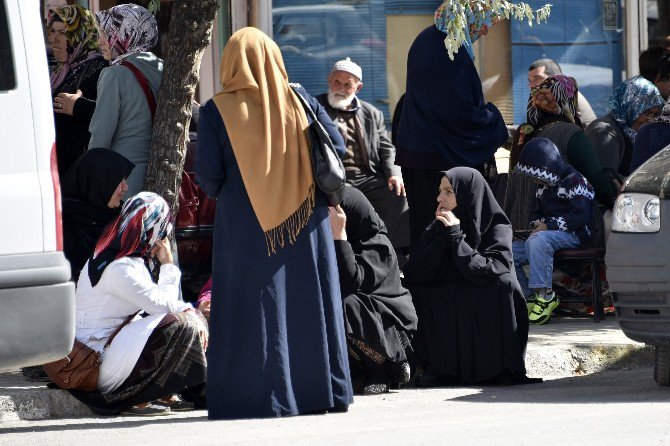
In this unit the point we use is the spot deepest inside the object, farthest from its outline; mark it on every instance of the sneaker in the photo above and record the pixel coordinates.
(530, 303)
(150, 410)
(543, 308)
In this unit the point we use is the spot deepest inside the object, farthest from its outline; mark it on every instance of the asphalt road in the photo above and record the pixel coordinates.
(612, 407)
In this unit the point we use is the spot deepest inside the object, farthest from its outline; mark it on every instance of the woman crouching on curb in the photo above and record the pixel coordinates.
(152, 358)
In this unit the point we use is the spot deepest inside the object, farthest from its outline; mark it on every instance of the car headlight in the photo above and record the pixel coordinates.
(635, 212)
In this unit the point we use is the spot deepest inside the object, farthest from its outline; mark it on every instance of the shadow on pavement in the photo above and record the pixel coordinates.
(97, 423)
(610, 386)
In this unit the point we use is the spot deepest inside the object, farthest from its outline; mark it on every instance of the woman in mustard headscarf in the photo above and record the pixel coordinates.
(277, 330)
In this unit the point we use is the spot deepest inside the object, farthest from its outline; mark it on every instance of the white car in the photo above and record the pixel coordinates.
(37, 304)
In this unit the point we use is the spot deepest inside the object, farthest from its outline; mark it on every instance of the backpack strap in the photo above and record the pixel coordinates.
(144, 84)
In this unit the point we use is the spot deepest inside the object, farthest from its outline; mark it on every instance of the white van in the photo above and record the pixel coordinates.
(37, 307)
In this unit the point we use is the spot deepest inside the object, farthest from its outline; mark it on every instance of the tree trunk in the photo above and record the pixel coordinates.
(189, 34)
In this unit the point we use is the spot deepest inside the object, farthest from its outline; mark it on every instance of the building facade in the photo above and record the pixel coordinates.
(596, 41)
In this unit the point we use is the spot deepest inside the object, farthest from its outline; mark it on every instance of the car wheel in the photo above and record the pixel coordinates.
(662, 365)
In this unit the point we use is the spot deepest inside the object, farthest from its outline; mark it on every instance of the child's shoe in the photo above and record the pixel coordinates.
(544, 306)
(530, 303)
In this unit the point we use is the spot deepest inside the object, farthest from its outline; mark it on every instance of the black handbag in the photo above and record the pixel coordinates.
(329, 173)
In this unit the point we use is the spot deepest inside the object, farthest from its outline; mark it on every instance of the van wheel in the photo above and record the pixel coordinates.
(662, 365)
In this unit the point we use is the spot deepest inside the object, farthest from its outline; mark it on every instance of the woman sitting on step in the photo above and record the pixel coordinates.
(379, 315)
(473, 321)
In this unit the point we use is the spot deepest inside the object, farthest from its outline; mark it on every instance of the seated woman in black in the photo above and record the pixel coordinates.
(473, 321)
(92, 192)
(379, 315)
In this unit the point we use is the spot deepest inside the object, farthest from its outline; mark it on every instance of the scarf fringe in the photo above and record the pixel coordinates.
(291, 227)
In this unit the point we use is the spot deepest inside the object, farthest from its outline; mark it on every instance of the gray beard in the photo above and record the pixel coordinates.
(339, 104)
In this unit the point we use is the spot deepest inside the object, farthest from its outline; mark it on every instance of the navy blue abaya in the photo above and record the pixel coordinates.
(277, 345)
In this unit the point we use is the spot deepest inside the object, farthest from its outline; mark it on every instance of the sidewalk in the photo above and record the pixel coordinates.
(565, 347)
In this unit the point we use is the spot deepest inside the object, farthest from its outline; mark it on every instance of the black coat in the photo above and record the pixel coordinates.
(473, 321)
(72, 135)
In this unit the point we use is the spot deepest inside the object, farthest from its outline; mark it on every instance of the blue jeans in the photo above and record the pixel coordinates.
(538, 252)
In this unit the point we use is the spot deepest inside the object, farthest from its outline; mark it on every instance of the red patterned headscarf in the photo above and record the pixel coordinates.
(144, 219)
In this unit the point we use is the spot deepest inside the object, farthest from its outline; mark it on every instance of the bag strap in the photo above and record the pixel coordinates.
(305, 105)
(144, 84)
(118, 329)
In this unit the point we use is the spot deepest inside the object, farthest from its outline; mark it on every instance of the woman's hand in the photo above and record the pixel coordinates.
(446, 217)
(203, 328)
(162, 251)
(338, 222)
(544, 100)
(204, 307)
(538, 226)
(64, 102)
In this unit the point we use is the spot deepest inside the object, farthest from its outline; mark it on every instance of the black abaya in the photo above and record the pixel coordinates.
(379, 314)
(473, 323)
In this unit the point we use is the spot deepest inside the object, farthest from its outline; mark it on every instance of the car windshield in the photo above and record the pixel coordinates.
(653, 177)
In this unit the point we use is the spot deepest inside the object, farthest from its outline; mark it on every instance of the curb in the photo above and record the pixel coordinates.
(21, 400)
(543, 361)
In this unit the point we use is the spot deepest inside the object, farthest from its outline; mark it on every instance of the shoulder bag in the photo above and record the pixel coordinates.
(329, 173)
(80, 369)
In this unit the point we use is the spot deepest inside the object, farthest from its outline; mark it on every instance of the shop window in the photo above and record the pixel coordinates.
(313, 37)
(658, 22)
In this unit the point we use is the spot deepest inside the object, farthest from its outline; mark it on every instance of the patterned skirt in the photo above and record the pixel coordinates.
(172, 361)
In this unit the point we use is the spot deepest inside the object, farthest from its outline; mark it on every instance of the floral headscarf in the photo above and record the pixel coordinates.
(144, 219)
(630, 99)
(564, 89)
(130, 29)
(81, 33)
(463, 21)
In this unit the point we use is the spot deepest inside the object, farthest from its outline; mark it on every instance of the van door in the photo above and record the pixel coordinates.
(20, 196)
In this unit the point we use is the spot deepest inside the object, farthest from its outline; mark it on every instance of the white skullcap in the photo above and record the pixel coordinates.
(348, 66)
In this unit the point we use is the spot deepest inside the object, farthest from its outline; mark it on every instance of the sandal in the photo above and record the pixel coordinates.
(147, 410)
(176, 404)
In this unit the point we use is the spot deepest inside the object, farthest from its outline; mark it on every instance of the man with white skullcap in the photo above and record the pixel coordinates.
(370, 155)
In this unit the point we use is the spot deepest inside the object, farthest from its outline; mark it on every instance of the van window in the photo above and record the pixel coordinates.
(7, 77)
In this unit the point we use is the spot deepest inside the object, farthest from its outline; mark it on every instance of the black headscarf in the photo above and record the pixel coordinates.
(378, 309)
(94, 177)
(483, 222)
(366, 233)
(87, 188)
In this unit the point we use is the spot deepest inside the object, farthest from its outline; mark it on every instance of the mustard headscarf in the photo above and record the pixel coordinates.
(267, 127)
